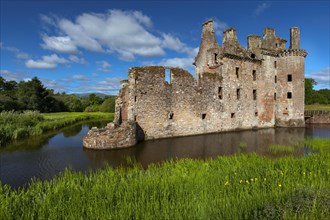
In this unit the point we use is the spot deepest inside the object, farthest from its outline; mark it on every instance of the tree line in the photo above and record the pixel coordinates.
(33, 95)
(312, 96)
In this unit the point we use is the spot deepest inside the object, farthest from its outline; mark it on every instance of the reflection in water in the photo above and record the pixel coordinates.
(202, 146)
(52, 153)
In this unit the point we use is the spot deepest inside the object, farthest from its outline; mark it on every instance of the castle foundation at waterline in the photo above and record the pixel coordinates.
(235, 88)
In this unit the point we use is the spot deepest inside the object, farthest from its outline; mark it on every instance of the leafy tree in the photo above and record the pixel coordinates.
(108, 104)
(94, 99)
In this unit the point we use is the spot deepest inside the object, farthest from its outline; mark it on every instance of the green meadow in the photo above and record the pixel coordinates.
(14, 125)
(243, 186)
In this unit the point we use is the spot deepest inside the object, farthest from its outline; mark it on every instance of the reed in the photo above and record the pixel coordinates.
(15, 125)
(235, 187)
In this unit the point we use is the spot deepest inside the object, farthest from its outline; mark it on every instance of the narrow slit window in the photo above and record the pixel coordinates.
(220, 92)
(135, 117)
(289, 95)
(275, 79)
(170, 116)
(168, 76)
(135, 98)
(289, 78)
(275, 64)
(238, 93)
(237, 72)
(254, 75)
(275, 96)
(203, 116)
(256, 114)
(215, 58)
(254, 94)
(232, 115)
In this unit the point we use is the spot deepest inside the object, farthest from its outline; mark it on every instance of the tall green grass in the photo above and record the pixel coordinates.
(14, 125)
(235, 187)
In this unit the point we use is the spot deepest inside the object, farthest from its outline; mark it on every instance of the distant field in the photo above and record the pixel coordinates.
(317, 107)
(15, 125)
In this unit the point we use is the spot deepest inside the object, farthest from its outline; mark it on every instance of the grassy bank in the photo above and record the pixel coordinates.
(317, 107)
(15, 125)
(235, 187)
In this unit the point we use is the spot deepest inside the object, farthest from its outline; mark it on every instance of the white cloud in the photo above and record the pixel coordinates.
(47, 62)
(184, 63)
(79, 77)
(23, 56)
(19, 54)
(76, 59)
(219, 26)
(103, 66)
(59, 44)
(15, 76)
(122, 32)
(173, 43)
(322, 77)
(39, 64)
(262, 7)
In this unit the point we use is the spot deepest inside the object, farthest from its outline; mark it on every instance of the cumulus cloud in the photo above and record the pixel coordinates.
(103, 66)
(322, 77)
(47, 62)
(262, 7)
(185, 63)
(219, 26)
(173, 43)
(125, 33)
(59, 44)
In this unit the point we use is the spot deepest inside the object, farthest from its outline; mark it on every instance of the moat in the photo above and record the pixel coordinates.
(45, 157)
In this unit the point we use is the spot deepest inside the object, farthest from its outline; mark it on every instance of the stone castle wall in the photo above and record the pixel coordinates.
(235, 88)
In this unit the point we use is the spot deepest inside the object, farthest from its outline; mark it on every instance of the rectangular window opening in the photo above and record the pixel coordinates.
(254, 94)
(232, 115)
(289, 78)
(289, 95)
(238, 95)
(168, 76)
(215, 58)
(255, 113)
(254, 74)
(275, 96)
(203, 116)
(275, 64)
(134, 117)
(275, 79)
(220, 92)
(237, 72)
(135, 98)
(170, 116)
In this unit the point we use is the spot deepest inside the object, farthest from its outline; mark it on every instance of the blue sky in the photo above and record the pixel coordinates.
(88, 46)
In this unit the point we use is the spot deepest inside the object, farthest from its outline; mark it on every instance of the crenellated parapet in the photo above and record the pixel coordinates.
(293, 52)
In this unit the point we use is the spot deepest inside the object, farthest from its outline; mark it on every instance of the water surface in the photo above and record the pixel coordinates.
(46, 156)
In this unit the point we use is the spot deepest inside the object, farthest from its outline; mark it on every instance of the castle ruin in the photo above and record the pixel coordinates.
(235, 88)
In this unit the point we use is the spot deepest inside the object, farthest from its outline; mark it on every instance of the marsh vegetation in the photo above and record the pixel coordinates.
(15, 125)
(242, 186)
